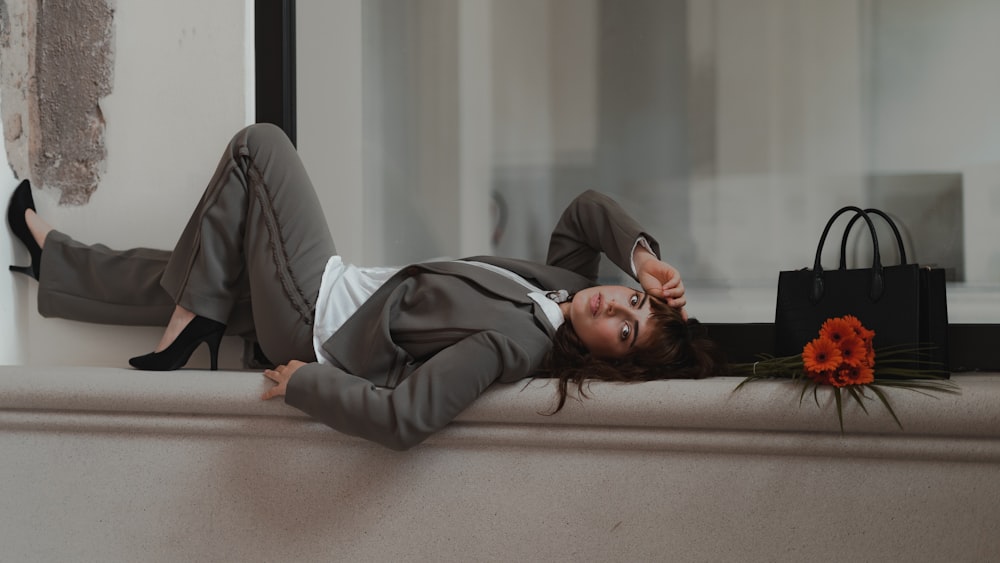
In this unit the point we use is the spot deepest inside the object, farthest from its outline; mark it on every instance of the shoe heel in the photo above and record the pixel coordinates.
(26, 270)
(213, 342)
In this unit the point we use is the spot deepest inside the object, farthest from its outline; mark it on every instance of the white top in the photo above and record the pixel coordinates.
(343, 289)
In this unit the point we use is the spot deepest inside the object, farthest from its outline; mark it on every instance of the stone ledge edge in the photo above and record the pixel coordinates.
(519, 436)
(709, 404)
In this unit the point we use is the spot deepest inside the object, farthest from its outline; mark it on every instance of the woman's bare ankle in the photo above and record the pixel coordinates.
(179, 319)
(39, 227)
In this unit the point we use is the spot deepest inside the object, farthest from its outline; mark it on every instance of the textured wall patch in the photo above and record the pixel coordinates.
(56, 63)
(18, 92)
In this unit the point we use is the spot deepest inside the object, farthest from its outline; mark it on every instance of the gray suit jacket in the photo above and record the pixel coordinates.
(436, 335)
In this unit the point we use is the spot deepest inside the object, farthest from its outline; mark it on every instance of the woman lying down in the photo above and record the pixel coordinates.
(388, 354)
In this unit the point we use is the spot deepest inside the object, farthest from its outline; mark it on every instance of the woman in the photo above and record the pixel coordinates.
(387, 355)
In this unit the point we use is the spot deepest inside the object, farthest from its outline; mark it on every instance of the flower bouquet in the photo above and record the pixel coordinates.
(843, 356)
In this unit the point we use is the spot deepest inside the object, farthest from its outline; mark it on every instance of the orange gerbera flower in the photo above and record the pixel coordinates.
(853, 351)
(854, 323)
(858, 328)
(822, 377)
(849, 375)
(867, 335)
(837, 329)
(820, 355)
(865, 375)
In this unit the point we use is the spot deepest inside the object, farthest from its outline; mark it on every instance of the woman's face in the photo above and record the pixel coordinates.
(611, 320)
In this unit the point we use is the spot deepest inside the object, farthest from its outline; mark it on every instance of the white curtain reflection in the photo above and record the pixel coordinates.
(731, 128)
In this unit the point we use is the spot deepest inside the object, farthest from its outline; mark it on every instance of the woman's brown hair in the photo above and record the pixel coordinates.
(679, 349)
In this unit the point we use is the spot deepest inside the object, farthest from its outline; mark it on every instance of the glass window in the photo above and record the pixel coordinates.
(732, 129)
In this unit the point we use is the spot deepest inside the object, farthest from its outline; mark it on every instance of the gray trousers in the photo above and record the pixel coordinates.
(252, 256)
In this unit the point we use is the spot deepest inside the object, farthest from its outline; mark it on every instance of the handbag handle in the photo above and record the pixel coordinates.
(892, 224)
(878, 279)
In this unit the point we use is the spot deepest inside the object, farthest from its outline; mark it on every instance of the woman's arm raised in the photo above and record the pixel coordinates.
(591, 224)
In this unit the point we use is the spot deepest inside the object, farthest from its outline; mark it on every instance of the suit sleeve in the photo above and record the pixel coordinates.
(426, 401)
(592, 224)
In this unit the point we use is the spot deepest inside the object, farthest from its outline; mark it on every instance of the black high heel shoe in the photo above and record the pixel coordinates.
(20, 202)
(179, 352)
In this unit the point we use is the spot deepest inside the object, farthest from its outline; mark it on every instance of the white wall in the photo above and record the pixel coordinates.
(181, 89)
(13, 293)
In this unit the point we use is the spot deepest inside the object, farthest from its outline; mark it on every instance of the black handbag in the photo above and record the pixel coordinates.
(904, 304)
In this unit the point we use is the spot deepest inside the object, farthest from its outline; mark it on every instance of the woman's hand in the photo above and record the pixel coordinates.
(280, 375)
(660, 279)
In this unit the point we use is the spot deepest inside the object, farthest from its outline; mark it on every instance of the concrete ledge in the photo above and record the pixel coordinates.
(702, 416)
(104, 464)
